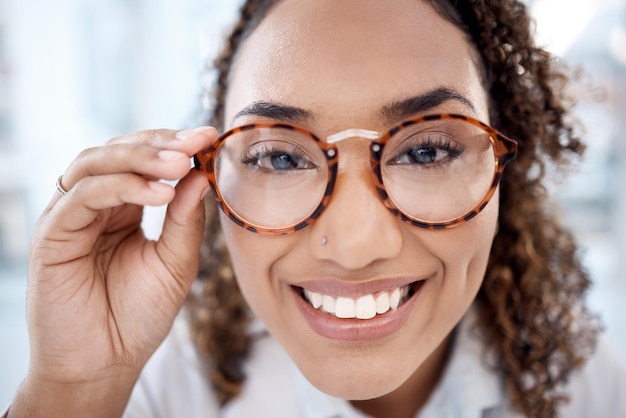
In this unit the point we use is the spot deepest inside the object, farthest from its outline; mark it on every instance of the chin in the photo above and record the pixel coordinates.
(346, 384)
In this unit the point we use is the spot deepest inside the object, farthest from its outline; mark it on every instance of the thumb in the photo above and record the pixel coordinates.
(183, 228)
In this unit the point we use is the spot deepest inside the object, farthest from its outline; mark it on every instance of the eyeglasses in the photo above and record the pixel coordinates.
(434, 171)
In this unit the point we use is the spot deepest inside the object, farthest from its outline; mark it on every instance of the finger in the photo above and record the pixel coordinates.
(179, 245)
(189, 141)
(166, 165)
(81, 205)
(144, 160)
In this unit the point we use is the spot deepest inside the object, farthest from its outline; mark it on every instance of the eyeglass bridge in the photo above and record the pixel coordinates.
(352, 133)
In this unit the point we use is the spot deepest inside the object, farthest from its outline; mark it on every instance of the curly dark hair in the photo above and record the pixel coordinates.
(531, 308)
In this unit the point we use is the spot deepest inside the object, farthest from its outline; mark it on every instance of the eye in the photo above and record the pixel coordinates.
(276, 158)
(283, 162)
(427, 152)
(423, 155)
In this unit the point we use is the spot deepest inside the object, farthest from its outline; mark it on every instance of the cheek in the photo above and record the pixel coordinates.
(464, 251)
(248, 255)
(252, 257)
(462, 254)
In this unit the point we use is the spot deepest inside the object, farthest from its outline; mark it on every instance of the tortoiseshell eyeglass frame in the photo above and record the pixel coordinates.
(505, 150)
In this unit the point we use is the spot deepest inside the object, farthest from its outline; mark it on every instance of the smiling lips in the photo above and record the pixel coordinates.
(356, 316)
(363, 307)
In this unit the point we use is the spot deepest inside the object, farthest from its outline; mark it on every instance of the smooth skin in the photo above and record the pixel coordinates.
(343, 63)
(101, 297)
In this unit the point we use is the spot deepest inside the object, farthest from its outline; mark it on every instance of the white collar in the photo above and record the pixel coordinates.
(469, 387)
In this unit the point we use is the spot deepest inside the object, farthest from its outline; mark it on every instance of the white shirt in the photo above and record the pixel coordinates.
(173, 385)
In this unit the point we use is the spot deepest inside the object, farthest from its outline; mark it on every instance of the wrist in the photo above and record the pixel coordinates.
(95, 399)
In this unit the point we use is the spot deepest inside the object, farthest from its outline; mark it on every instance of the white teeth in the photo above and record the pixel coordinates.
(328, 303)
(314, 297)
(394, 298)
(344, 308)
(382, 302)
(365, 307)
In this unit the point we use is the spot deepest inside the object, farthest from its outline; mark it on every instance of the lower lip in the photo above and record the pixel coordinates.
(353, 329)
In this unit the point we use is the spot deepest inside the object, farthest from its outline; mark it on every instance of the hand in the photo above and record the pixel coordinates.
(101, 297)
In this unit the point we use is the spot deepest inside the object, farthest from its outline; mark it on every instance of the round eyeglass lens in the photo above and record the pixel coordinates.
(437, 171)
(271, 177)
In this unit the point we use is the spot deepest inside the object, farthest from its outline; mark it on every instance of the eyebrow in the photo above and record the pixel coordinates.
(397, 111)
(275, 111)
(392, 112)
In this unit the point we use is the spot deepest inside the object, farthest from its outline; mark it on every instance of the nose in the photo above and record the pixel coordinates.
(356, 229)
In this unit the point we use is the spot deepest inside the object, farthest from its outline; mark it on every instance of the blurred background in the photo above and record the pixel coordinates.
(74, 73)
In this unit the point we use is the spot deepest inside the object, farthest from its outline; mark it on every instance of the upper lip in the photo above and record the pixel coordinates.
(340, 288)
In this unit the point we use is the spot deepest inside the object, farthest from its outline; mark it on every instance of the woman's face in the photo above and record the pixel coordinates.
(345, 64)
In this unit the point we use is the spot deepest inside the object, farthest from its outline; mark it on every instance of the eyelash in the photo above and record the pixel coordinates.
(255, 154)
(452, 148)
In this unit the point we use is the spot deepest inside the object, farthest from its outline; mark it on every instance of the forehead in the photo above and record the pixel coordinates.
(351, 57)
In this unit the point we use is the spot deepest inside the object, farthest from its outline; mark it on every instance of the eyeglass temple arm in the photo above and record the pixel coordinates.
(508, 148)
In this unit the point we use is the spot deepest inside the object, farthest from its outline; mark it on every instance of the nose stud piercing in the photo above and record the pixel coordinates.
(323, 241)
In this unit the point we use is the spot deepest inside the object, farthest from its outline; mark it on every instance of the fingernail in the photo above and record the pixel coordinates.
(158, 186)
(169, 155)
(190, 132)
